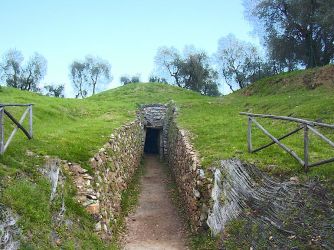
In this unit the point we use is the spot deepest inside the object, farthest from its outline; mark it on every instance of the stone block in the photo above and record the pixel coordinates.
(93, 208)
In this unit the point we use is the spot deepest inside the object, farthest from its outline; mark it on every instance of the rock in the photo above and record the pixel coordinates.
(93, 208)
(203, 216)
(9, 230)
(105, 228)
(196, 193)
(81, 198)
(294, 179)
(90, 196)
(87, 177)
(87, 202)
(82, 171)
(58, 242)
(201, 173)
(98, 227)
(76, 168)
(194, 166)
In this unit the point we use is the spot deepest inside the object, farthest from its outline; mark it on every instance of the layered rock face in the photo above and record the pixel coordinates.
(276, 214)
(9, 230)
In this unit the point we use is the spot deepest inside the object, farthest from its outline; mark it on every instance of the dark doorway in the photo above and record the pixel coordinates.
(152, 141)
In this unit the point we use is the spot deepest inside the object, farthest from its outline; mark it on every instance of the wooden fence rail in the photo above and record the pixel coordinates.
(3, 112)
(303, 125)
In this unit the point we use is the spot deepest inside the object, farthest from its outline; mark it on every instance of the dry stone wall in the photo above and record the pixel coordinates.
(112, 168)
(154, 116)
(99, 190)
(193, 184)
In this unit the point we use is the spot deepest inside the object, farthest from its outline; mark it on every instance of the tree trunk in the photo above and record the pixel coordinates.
(94, 84)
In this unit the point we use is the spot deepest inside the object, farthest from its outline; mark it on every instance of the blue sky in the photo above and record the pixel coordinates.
(125, 32)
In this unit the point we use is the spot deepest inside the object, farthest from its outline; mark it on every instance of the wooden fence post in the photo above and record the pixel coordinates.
(306, 146)
(249, 135)
(30, 120)
(2, 131)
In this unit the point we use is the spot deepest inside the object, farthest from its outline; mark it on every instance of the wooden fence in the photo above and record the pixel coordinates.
(3, 112)
(303, 125)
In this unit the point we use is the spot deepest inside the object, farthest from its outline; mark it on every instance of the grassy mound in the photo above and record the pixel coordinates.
(74, 129)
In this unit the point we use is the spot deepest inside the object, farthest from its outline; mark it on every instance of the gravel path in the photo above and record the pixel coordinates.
(155, 224)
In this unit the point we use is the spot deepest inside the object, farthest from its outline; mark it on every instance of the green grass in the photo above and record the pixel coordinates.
(30, 199)
(219, 131)
(75, 129)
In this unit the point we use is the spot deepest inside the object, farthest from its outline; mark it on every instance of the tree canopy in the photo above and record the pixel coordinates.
(22, 76)
(97, 71)
(238, 62)
(295, 31)
(126, 79)
(88, 73)
(191, 71)
(157, 79)
(55, 91)
(78, 79)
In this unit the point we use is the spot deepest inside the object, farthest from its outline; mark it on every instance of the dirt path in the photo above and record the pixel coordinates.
(155, 224)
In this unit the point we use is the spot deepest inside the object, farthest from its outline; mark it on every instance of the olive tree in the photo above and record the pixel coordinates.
(97, 71)
(87, 75)
(295, 32)
(237, 61)
(126, 79)
(55, 91)
(78, 78)
(191, 71)
(168, 64)
(22, 76)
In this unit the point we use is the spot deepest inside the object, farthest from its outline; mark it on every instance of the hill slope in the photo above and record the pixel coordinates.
(74, 129)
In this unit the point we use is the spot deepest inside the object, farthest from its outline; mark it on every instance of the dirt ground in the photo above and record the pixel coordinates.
(155, 224)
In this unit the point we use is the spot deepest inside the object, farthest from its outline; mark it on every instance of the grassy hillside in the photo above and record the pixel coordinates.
(75, 129)
(220, 132)
(72, 130)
